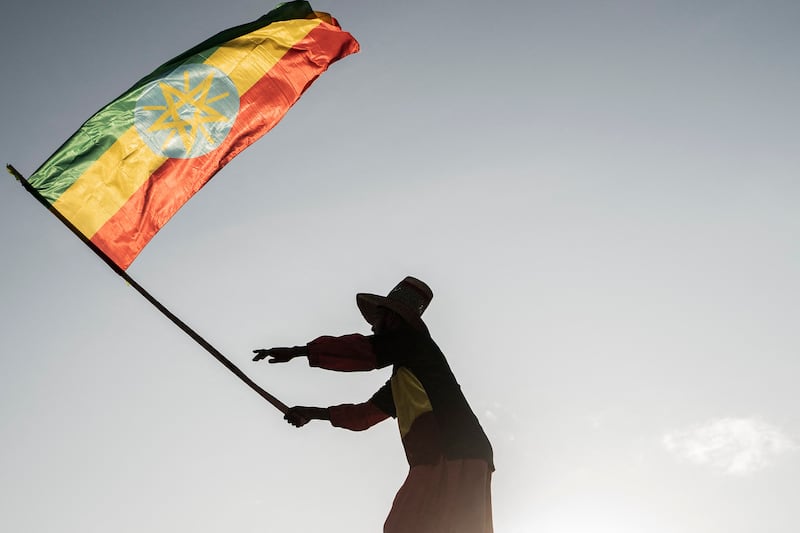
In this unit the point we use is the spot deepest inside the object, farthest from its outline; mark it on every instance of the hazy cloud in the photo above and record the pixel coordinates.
(737, 446)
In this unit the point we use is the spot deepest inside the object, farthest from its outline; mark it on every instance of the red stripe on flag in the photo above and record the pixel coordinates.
(124, 235)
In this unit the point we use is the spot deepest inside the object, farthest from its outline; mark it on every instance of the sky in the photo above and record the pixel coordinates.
(602, 195)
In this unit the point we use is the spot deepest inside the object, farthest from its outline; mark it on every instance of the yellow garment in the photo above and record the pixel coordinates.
(410, 399)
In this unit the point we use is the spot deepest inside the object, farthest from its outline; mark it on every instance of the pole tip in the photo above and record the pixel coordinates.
(13, 171)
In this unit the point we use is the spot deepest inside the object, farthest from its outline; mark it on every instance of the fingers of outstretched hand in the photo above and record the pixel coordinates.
(276, 355)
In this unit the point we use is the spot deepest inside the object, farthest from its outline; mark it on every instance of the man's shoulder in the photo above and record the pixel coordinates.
(405, 336)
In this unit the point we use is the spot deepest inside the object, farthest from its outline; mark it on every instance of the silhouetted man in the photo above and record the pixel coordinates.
(448, 488)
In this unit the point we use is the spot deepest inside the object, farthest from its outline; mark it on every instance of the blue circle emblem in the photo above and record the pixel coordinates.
(188, 112)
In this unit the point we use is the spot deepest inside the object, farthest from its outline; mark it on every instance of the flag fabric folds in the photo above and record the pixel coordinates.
(133, 164)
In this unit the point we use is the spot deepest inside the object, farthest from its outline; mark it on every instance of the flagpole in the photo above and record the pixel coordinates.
(147, 296)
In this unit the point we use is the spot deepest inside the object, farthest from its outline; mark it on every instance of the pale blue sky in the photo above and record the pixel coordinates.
(603, 196)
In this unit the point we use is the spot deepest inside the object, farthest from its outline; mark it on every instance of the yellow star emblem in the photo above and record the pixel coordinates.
(187, 111)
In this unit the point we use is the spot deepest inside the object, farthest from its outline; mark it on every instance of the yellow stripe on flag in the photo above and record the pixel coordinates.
(108, 183)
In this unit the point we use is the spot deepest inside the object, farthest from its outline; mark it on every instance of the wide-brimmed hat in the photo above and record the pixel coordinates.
(409, 299)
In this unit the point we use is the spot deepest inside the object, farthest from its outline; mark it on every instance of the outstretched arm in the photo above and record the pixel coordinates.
(280, 354)
(299, 416)
(355, 417)
(348, 353)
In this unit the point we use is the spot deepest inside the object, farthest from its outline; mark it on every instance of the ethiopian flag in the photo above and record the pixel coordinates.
(132, 165)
